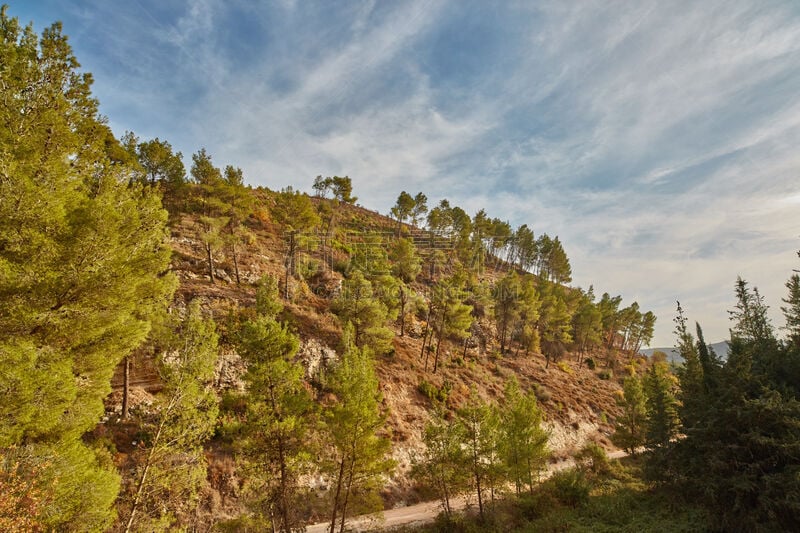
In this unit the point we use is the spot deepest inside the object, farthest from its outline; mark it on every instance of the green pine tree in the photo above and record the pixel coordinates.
(358, 453)
(82, 250)
(629, 431)
(662, 407)
(276, 450)
(523, 442)
(442, 463)
(170, 462)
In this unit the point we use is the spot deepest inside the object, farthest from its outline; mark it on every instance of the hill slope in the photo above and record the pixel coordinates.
(579, 406)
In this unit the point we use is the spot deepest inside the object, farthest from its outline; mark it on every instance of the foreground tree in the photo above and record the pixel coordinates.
(352, 424)
(171, 465)
(279, 414)
(792, 310)
(442, 463)
(82, 257)
(629, 431)
(662, 406)
(523, 442)
(480, 427)
(739, 457)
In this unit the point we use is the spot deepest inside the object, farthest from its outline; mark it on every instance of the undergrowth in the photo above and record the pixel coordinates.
(598, 496)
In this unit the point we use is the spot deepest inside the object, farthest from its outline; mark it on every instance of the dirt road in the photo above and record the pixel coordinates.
(425, 512)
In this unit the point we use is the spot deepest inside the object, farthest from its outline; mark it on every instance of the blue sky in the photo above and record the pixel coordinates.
(658, 140)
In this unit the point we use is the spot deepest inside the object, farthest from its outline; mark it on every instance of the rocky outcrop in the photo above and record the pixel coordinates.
(230, 370)
(315, 357)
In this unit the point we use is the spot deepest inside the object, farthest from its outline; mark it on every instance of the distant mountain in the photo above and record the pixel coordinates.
(721, 349)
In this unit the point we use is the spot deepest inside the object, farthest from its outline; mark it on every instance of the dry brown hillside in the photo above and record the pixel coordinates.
(579, 405)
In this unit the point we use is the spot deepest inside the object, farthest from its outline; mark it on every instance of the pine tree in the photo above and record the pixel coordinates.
(480, 428)
(442, 463)
(402, 209)
(420, 208)
(662, 407)
(587, 325)
(630, 426)
(451, 316)
(238, 207)
(506, 303)
(406, 264)
(527, 331)
(210, 205)
(276, 451)
(358, 459)
(357, 305)
(81, 253)
(523, 442)
(690, 375)
(295, 213)
(161, 167)
(792, 310)
(554, 322)
(171, 466)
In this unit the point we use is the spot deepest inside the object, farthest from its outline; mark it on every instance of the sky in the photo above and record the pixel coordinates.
(657, 139)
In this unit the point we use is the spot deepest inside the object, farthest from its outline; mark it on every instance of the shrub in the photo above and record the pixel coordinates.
(590, 364)
(594, 461)
(570, 487)
(564, 367)
(433, 393)
(605, 374)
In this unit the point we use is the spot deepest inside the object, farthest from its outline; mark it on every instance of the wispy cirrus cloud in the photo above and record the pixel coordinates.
(657, 139)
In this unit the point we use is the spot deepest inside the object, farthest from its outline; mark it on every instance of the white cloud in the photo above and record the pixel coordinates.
(657, 139)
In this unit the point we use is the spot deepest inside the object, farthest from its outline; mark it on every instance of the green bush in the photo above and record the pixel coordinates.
(536, 505)
(570, 487)
(434, 393)
(590, 364)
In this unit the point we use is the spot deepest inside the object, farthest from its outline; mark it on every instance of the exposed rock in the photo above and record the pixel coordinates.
(568, 438)
(315, 356)
(222, 274)
(252, 275)
(229, 371)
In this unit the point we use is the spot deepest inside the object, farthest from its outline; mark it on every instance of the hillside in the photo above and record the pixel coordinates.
(579, 406)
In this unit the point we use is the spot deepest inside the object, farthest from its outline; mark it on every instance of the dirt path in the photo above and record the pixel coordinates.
(425, 512)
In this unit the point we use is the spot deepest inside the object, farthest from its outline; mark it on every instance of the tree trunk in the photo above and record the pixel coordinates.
(236, 265)
(476, 466)
(347, 492)
(289, 265)
(436, 357)
(140, 487)
(210, 262)
(126, 387)
(283, 504)
(339, 480)
(402, 311)
(439, 341)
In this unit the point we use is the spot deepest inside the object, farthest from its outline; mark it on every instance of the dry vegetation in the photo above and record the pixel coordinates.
(579, 406)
